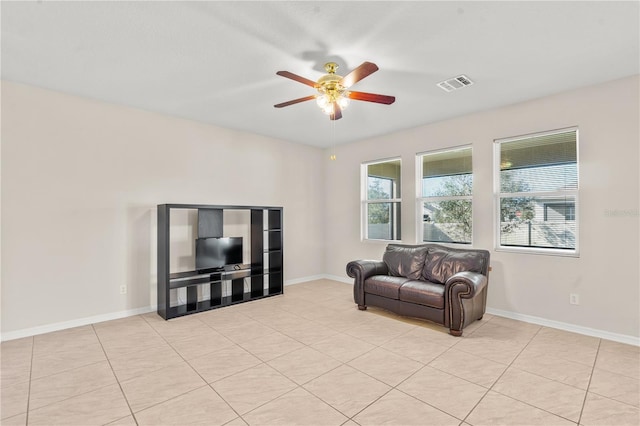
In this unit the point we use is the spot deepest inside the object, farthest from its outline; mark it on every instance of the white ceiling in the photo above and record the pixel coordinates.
(215, 62)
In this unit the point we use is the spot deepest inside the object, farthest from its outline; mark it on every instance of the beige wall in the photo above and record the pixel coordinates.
(606, 275)
(81, 179)
(80, 183)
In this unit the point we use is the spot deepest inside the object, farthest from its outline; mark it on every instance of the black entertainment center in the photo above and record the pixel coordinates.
(219, 263)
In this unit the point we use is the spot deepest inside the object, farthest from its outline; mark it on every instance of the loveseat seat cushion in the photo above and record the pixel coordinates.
(405, 261)
(440, 264)
(423, 293)
(384, 285)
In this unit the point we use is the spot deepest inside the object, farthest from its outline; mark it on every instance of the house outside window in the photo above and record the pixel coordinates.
(537, 192)
(559, 211)
(445, 199)
(381, 200)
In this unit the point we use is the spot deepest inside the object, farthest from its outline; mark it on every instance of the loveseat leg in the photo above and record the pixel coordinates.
(362, 307)
(479, 319)
(456, 333)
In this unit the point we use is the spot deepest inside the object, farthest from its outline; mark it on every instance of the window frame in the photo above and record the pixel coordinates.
(420, 199)
(395, 218)
(568, 193)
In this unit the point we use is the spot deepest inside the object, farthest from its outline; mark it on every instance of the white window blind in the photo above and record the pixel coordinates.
(446, 202)
(382, 200)
(537, 196)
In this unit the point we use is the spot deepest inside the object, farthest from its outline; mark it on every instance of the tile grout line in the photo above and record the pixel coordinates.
(69, 369)
(533, 373)
(537, 375)
(375, 346)
(114, 375)
(342, 363)
(563, 359)
(61, 372)
(395, 387)
(298, 386)
(429, 366)
(240, 416)
(500, 376)
(159, 369)
(301, 386)
(186, 361)
(262, 362)
(424, 365)
(206, 384)
(321, 322)
(33, 349)
(586, 393)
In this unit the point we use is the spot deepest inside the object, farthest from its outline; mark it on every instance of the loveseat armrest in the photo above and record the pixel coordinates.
(360, 270)
(364, 269)
(469, 283)
(464, 300)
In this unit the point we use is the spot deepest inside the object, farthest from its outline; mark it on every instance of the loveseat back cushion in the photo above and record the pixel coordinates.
(405, 261)
(441, 264)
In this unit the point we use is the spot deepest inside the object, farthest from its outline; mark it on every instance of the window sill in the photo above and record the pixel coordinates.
(539, 251)
(373, 241)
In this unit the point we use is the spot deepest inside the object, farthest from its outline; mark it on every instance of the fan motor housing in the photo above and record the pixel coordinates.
(329, 83)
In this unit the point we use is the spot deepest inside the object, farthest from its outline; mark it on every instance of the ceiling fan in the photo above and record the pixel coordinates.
(333, 90)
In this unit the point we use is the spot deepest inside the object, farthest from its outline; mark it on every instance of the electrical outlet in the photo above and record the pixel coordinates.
(123, 289)
(574, 299)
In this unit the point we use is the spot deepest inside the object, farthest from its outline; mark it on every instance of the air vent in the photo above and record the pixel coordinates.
(455, 83)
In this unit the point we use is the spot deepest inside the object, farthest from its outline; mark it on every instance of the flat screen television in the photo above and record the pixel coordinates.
(216, 253)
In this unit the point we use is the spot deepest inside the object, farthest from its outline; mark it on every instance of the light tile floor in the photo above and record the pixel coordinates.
(310, 357)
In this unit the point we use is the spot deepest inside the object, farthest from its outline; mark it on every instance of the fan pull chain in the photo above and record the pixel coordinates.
(333, 157)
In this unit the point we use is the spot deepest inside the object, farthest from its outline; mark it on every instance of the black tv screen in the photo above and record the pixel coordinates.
(218, 252)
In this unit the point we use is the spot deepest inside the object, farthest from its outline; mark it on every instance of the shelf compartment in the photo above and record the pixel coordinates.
(205, 305)
(249, 273)
(275, 219)
(275, 240)
(215, 277)
(275, 282)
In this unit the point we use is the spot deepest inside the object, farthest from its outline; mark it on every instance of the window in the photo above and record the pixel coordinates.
(559, 211)
(381, 200)
(445, 198)
(537, 192)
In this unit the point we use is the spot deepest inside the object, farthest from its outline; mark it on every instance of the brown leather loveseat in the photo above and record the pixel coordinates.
(429, 281)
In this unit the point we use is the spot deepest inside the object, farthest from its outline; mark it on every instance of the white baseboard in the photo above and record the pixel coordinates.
(303, 279)
(346, 280)
(28, 332)
(34, 331)
(607, 335)
(616, 337)
(319, 277)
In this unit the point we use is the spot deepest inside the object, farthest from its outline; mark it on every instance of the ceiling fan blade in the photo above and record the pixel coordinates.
(297, 78)
(372, 97)
(367, 68)
(295, 101)
(337, 112)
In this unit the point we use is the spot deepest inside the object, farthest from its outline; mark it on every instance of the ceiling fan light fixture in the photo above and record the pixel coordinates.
(328, 109)
(322, 101)
(343, 100)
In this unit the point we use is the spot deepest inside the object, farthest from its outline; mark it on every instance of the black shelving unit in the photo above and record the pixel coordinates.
(266, 261)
